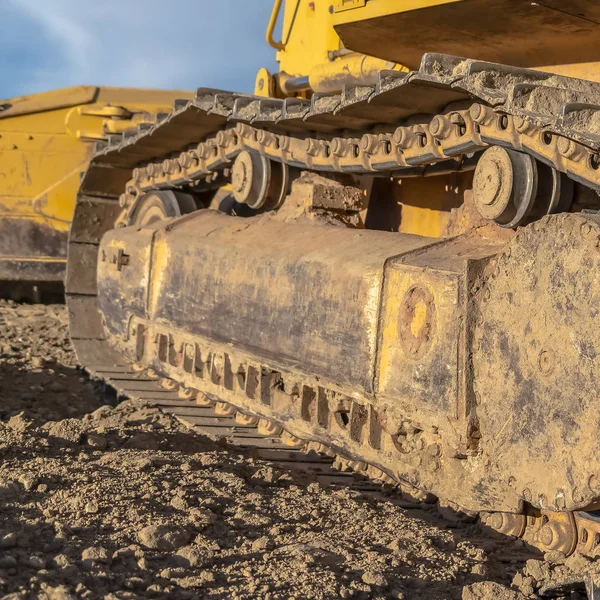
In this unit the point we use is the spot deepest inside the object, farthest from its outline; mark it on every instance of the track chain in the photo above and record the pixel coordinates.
(262, 438)
(501, 106)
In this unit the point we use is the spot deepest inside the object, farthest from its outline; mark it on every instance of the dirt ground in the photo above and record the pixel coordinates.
(99, 500)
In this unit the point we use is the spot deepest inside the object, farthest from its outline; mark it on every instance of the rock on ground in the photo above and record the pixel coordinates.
(98, 501)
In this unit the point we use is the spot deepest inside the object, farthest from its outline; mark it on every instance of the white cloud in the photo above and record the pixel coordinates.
(151, 43)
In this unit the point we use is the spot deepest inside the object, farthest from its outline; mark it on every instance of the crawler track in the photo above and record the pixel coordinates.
(451, 109)
(268, 441)
(221, 421)
(423, 123)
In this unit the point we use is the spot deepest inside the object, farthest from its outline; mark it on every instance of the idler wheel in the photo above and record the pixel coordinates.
(512, 188)
(536, 364)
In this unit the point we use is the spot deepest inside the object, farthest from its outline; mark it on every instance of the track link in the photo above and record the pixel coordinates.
(465, 107)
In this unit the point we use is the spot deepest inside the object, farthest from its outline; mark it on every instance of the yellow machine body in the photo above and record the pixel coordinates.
(328, 45)
(559, 36)
(46, 141)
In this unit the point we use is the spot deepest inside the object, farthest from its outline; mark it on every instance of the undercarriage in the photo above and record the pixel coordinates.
(242, 249)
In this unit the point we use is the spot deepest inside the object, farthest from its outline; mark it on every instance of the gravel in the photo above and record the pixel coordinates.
(104, 501)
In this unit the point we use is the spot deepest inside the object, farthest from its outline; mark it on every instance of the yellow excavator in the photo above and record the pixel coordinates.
(46, 142)
(390, 252)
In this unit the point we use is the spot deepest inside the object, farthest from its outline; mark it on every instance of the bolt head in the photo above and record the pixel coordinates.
(493, 182)
(241, 176)
(336, 146)
(546, 536)
(401, 136)
(477, 113)
(495, 520)
(521, 125)
(437, 127)
(559, 500)
(367, 142)
(311, 146)
(221, 139)
(547, 361)
(566, 147)
(587, 231)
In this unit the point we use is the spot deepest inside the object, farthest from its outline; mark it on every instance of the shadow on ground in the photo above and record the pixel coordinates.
(49, 393)
(243, 534)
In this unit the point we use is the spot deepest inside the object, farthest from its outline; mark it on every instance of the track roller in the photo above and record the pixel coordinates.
(158, 205)
(259, 182)
(512, 188)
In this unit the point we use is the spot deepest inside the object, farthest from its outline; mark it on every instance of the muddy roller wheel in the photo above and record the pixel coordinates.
(513, 188)
(259, 182)
(162, 204)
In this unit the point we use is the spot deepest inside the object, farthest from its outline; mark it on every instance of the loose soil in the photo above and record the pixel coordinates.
(107, 500)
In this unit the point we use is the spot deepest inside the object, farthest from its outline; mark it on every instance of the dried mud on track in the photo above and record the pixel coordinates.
(101, 501)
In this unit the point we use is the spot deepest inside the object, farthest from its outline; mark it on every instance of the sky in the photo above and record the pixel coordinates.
(169, 44)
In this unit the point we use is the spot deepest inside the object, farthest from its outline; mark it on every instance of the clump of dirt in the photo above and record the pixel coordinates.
(99, 500)
(322, 200)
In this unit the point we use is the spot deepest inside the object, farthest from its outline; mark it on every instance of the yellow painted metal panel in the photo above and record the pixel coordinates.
(588, 70)
(45, 145)
(308, 36)
(505, 31)
(137, 99)
(419, 337)
(51, 100)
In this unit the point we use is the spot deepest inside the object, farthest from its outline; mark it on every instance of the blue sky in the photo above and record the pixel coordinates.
(177, 44)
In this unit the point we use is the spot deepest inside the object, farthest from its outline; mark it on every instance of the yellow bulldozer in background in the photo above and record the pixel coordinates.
(388, 253)
(46, 142)
(325, 46)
